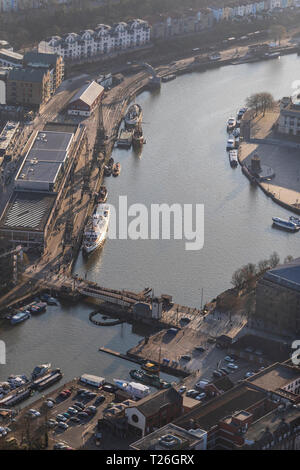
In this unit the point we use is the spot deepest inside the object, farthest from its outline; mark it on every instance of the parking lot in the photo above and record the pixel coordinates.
(80, 427)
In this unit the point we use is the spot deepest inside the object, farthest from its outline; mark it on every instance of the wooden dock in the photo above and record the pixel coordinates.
(120, 355)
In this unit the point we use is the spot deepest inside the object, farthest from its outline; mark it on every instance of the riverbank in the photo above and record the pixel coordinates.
(277, 152)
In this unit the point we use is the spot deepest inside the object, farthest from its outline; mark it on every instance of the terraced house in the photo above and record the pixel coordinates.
(103, 40)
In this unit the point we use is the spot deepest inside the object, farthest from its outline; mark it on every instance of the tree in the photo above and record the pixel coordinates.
(274, 260)
(238, 278)
(263, 265)
(288, 259)
(277, 32)
(260, 102)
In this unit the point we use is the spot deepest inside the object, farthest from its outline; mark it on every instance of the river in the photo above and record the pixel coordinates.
(184, 161)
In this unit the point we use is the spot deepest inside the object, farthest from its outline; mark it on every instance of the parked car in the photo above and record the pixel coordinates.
(91, 408)
(74, 419)
(199, 349)
(33, 413)
(67, 415)
(92, 394)
(249, 374)
(108, 388)
(78, 408)
(72, 411)
(78, 404)
(82, 414)
(232, 366)
(201, 396)
(99, 400)
(223, 369)
(186, 357)
(216, 373)
(63, 425)
(61, 417)
(51, 423)
(192, 392)
(228, 359)
(182, 389)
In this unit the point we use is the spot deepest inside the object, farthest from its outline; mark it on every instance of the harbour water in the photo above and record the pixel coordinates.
(184, 161)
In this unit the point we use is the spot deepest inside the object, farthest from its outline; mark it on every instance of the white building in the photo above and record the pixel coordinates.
(103, 40)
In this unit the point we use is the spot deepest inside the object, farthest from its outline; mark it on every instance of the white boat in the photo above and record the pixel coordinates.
(233, 158)
(96, 230)
(134, 389)
(133, 116)
(231, 123)
(285, 224)
(230, 145)
(40, 370)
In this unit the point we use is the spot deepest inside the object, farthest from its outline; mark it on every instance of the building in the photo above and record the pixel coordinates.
(85, 101)
(29, 214)
(7, 137)
(45, 162)
(52, 62)
(9, 58)
(154, 411)
(99, 42)
(172, 437)
(278, 298)
(280, 381)
(28, 87)
(241, 401)
(278, 430)
(289, 119)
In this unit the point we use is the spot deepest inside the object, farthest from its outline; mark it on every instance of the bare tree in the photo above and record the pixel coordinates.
(274, 260)
(260, 102)
(288, 259)
(277, 33)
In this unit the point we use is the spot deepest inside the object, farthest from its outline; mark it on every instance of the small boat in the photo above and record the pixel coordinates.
(168, 78)
(150, 367)
(230, 144)
(19, 317)
(133, 116)
(236, 132)
(231, 123)
(134, 389)
(285, 224)
(38, 307)
(116, 169)
(233, 158)
(138, 138)
(107, 170)
(241, 113)
(40, 370)
(272, 55)
(149, 379)
(124, 139)
(52, 301)
(102, 196)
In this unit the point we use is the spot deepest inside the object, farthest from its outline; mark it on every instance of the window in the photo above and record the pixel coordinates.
(135, 418)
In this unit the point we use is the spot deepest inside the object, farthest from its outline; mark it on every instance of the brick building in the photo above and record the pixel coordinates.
(278, 298)
(28, 87)
(52, 62)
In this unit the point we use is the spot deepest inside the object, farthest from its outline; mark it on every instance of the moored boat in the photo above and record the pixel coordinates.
(231, 123)
(133, 116)
(168, 78)
(116, 169)
(19, 317)
(102, 195)
(233, 158)
(285, 224)
(148, 379)
(40, 370)
(295, 220)
(96, 229)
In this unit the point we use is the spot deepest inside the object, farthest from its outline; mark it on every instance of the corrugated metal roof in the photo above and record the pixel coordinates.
(88, 93)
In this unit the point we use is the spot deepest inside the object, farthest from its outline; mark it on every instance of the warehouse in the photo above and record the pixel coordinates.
(45, 162)
(86, 100)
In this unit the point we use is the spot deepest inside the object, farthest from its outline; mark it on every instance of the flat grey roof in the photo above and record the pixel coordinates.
(51, 140)
(27, 211)
(287, 274)
(43, 171)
